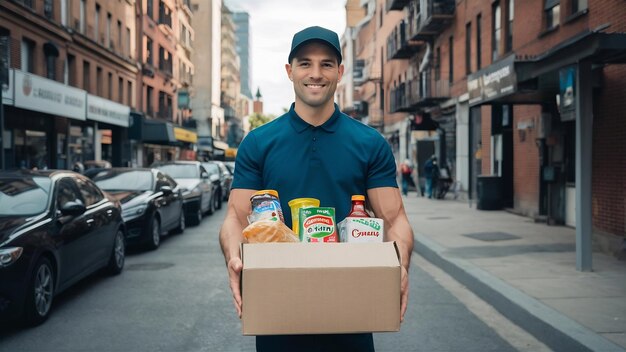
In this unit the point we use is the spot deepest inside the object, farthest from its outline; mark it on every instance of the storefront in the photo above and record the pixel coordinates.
(111, 122)
(154, 141)
(187, 140)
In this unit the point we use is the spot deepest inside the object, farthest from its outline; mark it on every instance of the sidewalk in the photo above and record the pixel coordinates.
(527, 271)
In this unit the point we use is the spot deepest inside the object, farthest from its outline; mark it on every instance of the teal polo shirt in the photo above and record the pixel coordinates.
(330, 162)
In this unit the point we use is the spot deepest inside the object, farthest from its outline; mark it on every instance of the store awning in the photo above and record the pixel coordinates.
(184, 135)
(423, 123)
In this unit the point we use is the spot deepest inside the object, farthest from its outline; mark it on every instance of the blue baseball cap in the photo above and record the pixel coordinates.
(315, 33)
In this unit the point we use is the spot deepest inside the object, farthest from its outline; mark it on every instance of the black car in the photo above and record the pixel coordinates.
(56, 227)
(197, 187)
(223, 172)
(152, 202)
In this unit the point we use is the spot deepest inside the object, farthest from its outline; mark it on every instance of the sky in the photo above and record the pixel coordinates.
(272, 26)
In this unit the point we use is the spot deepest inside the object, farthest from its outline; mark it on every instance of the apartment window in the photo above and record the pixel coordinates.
(149, 107)
(496, 35)
(110, 86)
(99, 81)
(380, 15)
(451, 61)
(96, 27)
(129, 92)
(128, 42)
(48, 8)
(107, 38)
(150, 8)
(64, 12)
(5, 56)
(51, 53)
(552, 13)
(508, 43)
(168, 108)
(27, 55)
(83, 16)
(71, 70)
(120, 90)
(468, 48)
(162, 108)
(86, 76)
(149, 51)
(119, 36)
(579, 5)
(479, 47)
(437, 64)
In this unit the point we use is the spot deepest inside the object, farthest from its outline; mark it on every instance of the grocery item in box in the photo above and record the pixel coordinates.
(263, 231)
(317, 224)
(265, 205)
(296, 205)
(361, 230)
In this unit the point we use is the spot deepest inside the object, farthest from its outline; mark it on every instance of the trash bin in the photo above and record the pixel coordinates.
(489, 191)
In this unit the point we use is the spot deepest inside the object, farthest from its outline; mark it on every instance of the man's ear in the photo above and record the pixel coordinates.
(288, 69)
(341, 68)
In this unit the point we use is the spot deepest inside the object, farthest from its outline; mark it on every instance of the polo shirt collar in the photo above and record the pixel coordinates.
(300, 125)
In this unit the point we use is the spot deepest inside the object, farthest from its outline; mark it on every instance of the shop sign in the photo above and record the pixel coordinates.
(493, 82)
(184, 135)
(44, 95)
(107, 111)
(7, 89)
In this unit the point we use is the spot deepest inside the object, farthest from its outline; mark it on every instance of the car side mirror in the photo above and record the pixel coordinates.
(73, 208)
(167, 190)
(204, 174)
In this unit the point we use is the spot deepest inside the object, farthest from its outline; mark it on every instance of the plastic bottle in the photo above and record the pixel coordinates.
(358, 207)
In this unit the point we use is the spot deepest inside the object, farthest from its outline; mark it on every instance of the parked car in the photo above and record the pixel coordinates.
(56, 227)
(152, 203)
(196, 185)
(225, 177)
(231, 166)
(216, 177)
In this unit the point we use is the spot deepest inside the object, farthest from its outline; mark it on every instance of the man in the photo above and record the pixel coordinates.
(314, 150)
(406, 170)
(431, 172)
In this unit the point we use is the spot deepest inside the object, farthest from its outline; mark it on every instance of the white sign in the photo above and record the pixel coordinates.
(44, 95)
(7, 91)
(107, 111)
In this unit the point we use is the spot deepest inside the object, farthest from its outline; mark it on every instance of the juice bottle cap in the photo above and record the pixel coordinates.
(358, 197)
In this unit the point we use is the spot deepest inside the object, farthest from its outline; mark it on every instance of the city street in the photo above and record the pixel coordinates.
(177, 299)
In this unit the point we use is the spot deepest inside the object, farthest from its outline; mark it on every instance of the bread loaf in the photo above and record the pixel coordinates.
(269, 231)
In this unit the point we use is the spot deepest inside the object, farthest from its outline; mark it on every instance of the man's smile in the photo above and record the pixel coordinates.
(312, 85)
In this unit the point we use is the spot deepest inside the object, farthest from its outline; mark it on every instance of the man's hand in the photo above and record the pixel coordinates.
(234, 275)
(404, 292)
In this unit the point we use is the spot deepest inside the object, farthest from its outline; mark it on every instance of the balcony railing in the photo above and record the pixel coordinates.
(396, 5)
(420, 92)
(432, 17)
(399, 43)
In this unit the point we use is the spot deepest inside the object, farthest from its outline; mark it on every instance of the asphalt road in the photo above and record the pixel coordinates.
(177, 299)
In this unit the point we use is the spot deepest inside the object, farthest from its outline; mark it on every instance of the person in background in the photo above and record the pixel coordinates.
(406, 170)
(297, 155)
(430, 173)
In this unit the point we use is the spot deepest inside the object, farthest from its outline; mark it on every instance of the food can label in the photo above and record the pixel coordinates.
(318, 225)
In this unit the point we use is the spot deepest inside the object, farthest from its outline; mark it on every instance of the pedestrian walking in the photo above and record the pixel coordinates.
(297, 154)
(431, 173)
(406, 170)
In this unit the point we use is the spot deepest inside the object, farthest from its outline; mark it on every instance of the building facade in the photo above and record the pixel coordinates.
(244, 37)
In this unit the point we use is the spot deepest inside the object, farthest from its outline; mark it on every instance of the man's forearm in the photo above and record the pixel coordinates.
(231, 238)
(401, 232)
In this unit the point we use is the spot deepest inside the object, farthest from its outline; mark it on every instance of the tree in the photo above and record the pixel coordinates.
(257, 120)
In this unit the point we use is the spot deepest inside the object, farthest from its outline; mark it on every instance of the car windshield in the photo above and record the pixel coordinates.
(24, 195)
(135, 180)
(211, 168)
(180, 170)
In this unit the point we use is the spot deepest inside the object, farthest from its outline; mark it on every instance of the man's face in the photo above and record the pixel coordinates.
(315, 73)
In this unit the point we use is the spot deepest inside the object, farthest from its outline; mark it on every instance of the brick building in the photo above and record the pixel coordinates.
(522, 103)
(71, 81)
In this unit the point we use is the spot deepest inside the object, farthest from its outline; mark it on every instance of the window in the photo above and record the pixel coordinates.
(120, 90)
(120, 46)
(83, 15)
(129, 91)
(51, 69)
(48, 9)
(99, 81)
(451, 61)
(149, 97)
(96, 26)
(5, 56)
(107, 34)
(71, 70)
(149, 8)
(27, 55)
(86, 76)
(66, 192)
(579, 5)
(437, 64)
(496, 35)
(479, 47)
(508, 43)
(110, 86)
(128, 43)
(64, 12)
(553, 13)
(149, 49)
(91, 193)
(162, 107)
(468, 48)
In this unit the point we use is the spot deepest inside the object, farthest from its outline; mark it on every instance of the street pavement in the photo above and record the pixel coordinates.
(527, 271)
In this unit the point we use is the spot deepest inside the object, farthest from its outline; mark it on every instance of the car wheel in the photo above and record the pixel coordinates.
(155, 234)
(181, 223)
(40, 293)
(118, 255)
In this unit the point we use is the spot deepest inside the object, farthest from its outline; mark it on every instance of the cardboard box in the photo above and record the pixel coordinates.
(361, 230)
(306, 288)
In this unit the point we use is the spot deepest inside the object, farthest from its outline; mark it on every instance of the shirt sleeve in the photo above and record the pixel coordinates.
(248, 172)
(382, 166)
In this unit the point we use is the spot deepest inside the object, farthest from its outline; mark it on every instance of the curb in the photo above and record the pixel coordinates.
(549, 326)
